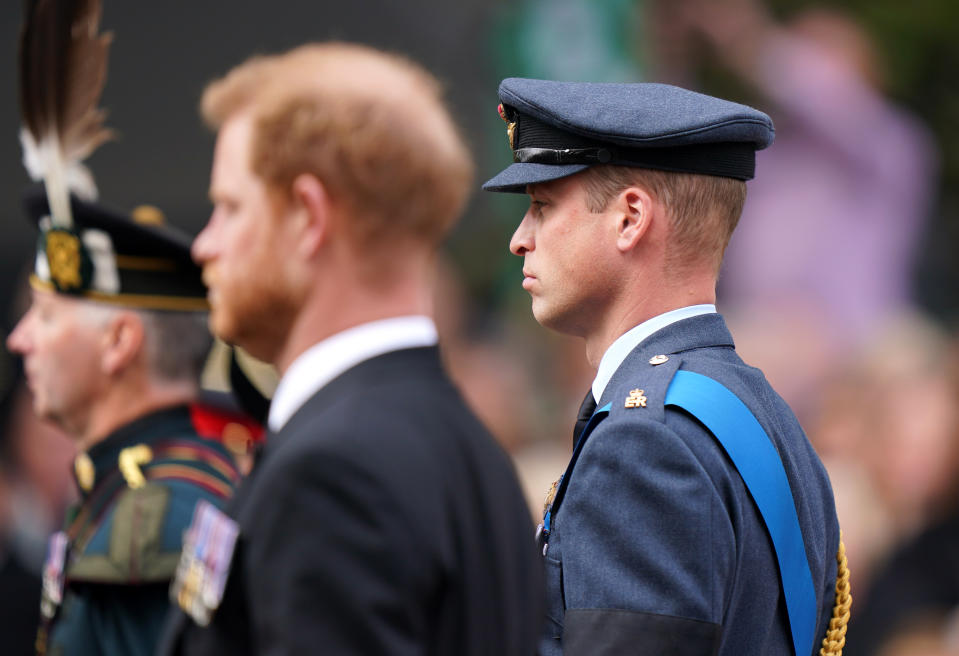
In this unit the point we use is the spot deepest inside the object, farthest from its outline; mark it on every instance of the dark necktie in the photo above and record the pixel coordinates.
(586, 411)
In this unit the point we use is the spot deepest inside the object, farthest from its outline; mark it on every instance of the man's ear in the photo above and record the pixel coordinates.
(312, 209)
(122, 341)
(634, 208)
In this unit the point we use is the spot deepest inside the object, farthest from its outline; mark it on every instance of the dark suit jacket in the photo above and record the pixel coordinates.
(656, 546)
(382, 519)
(19, 603)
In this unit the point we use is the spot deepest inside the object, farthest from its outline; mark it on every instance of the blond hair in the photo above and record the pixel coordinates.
(371, 126)
(703, 210)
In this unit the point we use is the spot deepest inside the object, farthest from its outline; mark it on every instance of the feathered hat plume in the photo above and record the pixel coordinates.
(63, 65)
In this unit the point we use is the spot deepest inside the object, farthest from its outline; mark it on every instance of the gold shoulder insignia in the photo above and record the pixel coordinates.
(129, 462)
(636, 399)
(85, 471)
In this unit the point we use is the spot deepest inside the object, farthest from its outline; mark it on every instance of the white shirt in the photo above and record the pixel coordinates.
(623, 346)
(326, 360)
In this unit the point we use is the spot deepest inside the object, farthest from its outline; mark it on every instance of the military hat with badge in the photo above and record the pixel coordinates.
(556, 129)
(138, 483)
(84, 248)
(97, 253)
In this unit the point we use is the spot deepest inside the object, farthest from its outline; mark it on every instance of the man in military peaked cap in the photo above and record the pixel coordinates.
(113, 344)
(694, 517)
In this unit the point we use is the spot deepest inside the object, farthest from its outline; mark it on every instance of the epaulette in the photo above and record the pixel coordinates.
(132, 524)
(642, 388)
(194, 461)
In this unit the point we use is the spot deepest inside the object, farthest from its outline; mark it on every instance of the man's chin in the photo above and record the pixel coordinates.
(556, 321)
(40, 410)
(547, 321)
(222, 325)
(229, 330)
(45, 413)
(542, 314)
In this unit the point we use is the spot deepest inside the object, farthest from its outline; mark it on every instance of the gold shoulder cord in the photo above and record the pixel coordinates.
(835, 638)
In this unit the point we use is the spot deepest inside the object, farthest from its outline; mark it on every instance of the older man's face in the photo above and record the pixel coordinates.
(59, 339)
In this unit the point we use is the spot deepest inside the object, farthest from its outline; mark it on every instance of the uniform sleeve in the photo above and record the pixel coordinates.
(112, 619)
(646, 545)
(324, 566)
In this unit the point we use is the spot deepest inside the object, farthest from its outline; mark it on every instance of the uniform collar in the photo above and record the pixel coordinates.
(326, 360)
(624, 345)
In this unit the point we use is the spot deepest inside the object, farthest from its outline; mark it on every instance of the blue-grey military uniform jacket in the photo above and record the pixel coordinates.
(655, 545)
(110, 594)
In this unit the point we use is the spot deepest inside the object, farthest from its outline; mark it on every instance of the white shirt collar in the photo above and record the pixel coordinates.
(629, 340)
(326, 360)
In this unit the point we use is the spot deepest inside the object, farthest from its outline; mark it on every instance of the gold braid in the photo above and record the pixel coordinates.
(835, 638)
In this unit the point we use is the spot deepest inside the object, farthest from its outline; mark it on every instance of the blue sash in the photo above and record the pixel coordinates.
(759, 465)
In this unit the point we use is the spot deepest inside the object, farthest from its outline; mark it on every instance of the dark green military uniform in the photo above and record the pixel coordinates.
(139, 489)
(107, 576)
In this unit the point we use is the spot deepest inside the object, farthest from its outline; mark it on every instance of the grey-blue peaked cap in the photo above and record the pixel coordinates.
(560, 128)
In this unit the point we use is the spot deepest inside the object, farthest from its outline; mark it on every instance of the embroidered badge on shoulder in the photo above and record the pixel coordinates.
(204, 564)
(636, 399)
(52, 592)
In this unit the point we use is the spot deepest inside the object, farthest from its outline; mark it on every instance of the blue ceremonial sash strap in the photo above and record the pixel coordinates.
(759, 465)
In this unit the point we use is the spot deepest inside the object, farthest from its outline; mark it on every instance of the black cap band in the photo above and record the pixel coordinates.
(562, 156)
(539, 143)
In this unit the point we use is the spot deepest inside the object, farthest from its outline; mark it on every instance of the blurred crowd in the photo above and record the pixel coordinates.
(818, 290)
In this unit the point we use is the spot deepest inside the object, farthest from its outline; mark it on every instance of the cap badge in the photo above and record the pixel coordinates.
(510, 126)
(658, 359)
(64, 255)
(636, 399)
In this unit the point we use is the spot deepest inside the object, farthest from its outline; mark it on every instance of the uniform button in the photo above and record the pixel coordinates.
(658, 359)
